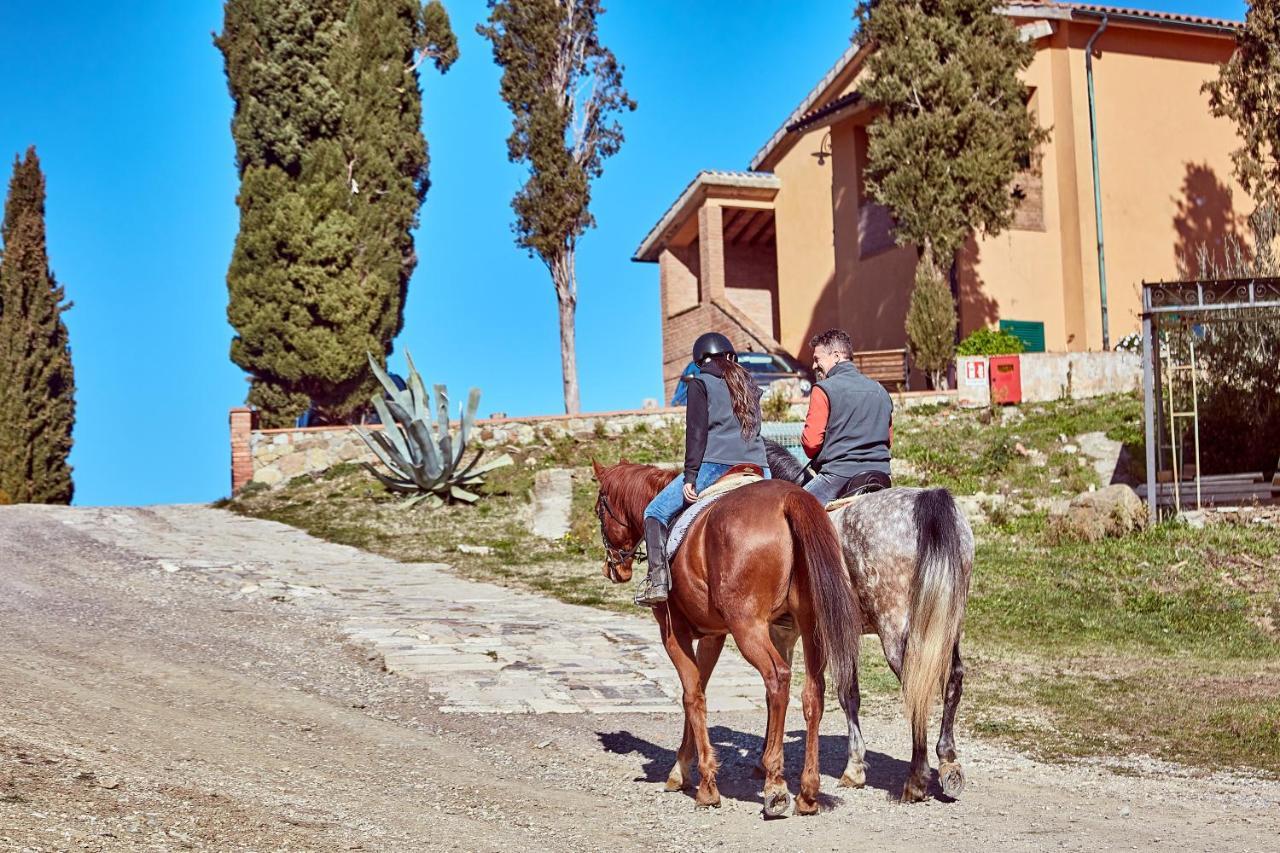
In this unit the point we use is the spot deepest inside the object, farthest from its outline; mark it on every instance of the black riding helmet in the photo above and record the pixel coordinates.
(709, 344)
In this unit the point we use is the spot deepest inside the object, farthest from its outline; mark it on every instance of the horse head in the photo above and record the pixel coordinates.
(619, 533)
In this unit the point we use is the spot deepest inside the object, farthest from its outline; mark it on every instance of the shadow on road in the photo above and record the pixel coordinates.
(739, 753)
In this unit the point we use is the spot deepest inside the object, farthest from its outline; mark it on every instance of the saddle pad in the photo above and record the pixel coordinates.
(841, 503)
(686, 519)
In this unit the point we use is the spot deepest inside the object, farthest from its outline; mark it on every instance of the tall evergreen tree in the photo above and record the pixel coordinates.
(37, 383)
(952, 133)
(563, 87)
(1246, 92)
(333, 168)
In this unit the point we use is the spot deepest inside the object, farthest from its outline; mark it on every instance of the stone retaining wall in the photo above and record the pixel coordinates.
(274, 456)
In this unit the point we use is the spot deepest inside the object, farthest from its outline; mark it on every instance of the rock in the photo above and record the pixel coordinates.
(478, 550)
(552, 500)
(1103, 452)
(1194, 519)
(1114, 511)
(1070, 449)
(109, 782)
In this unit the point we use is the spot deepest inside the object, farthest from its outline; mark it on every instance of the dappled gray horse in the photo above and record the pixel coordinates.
(909, 553)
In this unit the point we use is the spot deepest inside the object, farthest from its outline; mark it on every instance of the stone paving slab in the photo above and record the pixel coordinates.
(482, 648)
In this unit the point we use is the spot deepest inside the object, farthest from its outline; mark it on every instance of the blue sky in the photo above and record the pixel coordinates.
(128, 108)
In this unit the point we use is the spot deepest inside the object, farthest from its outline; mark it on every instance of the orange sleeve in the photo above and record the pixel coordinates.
(815, 423)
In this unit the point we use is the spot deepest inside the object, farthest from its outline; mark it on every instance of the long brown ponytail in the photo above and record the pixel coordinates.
(743, 396)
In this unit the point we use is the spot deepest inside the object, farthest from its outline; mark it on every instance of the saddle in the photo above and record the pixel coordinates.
(735, 478)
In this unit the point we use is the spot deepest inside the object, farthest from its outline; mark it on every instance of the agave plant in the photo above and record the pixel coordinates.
(425, 459)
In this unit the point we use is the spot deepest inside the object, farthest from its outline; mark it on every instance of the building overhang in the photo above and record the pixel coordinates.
(751, 188)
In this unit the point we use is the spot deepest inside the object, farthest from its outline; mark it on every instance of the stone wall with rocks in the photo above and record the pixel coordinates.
(274, 456)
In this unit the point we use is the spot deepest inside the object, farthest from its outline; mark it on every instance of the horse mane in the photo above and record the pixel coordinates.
(782, 464)
(630, 486)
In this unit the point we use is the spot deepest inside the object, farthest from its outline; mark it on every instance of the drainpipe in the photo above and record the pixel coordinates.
(1097, 183)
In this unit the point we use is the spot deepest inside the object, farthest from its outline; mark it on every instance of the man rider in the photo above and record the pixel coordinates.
(849, 428)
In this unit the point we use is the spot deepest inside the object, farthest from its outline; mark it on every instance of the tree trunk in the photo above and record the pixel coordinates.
(565, 279)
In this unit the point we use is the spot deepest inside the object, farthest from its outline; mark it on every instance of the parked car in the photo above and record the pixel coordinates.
(767, 368)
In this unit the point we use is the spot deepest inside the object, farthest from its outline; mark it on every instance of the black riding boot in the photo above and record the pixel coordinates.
(653, 591)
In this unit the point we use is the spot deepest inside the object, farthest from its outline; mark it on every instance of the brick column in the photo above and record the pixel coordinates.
(711, 252)
(242, 424)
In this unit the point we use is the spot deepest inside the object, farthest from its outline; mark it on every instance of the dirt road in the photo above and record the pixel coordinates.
(142, 708)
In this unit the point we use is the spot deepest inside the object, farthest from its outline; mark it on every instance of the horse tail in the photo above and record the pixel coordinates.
(839, 620)
(938, 594)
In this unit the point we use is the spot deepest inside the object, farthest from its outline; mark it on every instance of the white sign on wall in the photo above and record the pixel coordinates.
(975, 372)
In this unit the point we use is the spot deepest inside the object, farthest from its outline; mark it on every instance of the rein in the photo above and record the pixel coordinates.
(615, 556)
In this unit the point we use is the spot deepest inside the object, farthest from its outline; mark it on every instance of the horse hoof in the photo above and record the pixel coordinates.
(912, 792)
(776, 805)
(849, 780)
(952, 779)
(710, 804)
(677, 783)
(806, 806)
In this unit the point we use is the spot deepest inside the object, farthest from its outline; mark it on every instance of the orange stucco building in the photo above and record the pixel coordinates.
(792, 246)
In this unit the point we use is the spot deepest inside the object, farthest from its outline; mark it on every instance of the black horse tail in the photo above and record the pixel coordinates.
(938, 593)
(839, 621)
(782, 465)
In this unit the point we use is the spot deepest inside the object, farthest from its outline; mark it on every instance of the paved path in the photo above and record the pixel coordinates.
(481, 647)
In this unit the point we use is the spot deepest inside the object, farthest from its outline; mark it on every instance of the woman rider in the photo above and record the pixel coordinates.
(722, 429)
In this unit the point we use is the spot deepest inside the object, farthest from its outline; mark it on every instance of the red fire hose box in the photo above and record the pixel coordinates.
(1006, 379)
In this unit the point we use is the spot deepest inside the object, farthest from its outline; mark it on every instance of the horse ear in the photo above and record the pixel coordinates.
(597, 470)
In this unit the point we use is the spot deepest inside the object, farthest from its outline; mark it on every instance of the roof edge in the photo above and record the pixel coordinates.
(644, 253)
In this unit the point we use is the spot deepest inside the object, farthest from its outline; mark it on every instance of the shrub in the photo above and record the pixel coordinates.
(776, 406)
(990, 342)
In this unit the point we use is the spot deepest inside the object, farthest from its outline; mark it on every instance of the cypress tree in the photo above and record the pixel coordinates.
(333, 169)
(37, 383)
(952, 133)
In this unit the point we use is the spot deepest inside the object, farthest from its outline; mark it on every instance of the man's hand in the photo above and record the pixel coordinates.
(689, 494)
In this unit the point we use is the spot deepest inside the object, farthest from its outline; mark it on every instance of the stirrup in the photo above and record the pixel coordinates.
(650, 595)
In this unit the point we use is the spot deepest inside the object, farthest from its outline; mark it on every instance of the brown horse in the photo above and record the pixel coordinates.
(757, 555)
(910, 555)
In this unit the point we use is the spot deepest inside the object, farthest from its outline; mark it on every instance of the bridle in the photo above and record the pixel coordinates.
(615, 556)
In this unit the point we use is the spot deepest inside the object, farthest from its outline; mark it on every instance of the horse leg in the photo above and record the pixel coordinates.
(756, 646)
(784, 640)
(814, 690)
(680, 778)
(855, 772)
(678, 641)
(949, 772)
(918, 778)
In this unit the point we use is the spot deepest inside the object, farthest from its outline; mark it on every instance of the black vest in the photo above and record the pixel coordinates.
(857, 437)
(725, 443)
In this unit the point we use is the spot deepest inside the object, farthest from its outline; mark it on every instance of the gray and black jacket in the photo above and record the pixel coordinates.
(712, 431)
(857, 436)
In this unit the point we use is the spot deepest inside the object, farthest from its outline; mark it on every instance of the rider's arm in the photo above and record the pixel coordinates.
(695, 430)
(815, 423)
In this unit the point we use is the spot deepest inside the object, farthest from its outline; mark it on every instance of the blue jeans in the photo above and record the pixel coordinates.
(667, 505)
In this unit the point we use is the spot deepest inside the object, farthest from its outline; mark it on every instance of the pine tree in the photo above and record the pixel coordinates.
(562, 86)
(952, 132)
(37, 383)
(1246, 93)
(333, 169)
